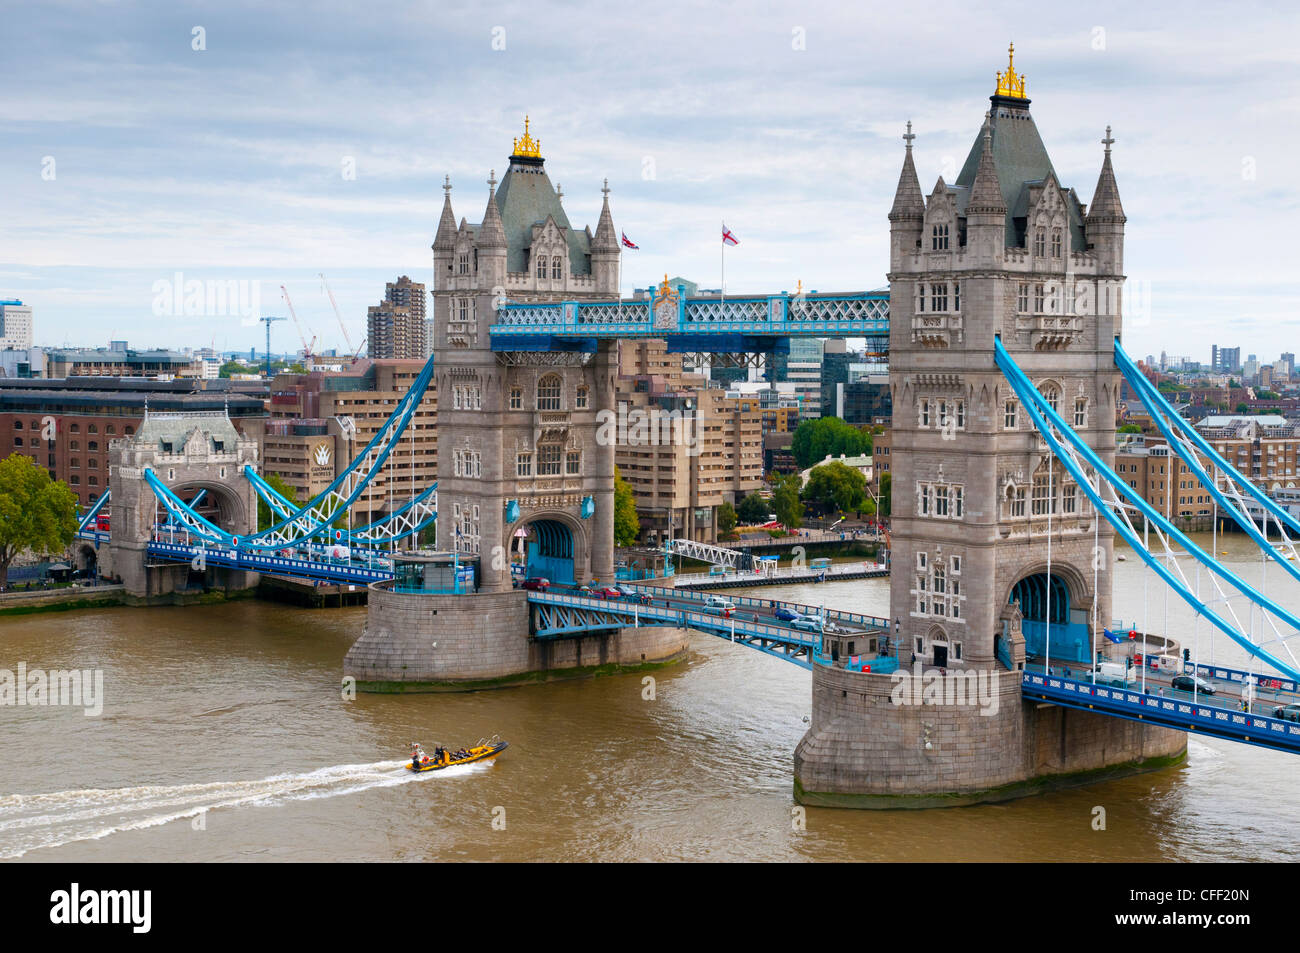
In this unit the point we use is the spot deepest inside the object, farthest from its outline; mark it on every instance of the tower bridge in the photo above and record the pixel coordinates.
(1002, 320)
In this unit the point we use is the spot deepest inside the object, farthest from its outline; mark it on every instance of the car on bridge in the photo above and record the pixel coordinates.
(784, 614)
(607, 592)
(717, 602)
(536, 584)
(1192, 683)
(809, 623)
(1287, 712)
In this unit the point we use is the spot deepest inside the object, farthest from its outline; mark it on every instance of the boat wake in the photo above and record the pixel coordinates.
(32, 821)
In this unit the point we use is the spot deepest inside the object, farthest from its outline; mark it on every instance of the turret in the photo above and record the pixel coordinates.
(1104, 223)
(491, 243)
(907, 217)
(605, 250)
(444, 241)
(986, 210)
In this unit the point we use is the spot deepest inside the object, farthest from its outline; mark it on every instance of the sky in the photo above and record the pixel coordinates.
(147, 145)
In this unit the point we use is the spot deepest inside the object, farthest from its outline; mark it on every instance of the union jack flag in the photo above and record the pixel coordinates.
(627, 242)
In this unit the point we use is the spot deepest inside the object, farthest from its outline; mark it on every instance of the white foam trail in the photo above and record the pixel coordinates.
(32, 821)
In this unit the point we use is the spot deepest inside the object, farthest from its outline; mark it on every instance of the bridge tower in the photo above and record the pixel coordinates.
(189, 452)
(519, 464)
(981, 509)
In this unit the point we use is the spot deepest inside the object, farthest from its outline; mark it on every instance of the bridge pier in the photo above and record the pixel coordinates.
(866, 750)
(426, 642)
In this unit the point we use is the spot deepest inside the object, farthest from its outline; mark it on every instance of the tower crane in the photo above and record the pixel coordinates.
(307, 349)
(342, 327)
(267, 321)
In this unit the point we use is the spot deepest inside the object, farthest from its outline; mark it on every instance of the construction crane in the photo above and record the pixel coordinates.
(342, 327)
(267, 321)
(307, 349)
(357, 353)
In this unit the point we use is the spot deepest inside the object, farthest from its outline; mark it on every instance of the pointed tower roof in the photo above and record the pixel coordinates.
(606, 239)
(1105, 205)
(986, 192)
(446, 235)
(491, 234)
(908, 202)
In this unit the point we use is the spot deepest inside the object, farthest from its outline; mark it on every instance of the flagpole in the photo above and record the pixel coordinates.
(723, 290)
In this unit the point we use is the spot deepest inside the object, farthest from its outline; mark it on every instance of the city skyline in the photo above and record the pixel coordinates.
(179, 161)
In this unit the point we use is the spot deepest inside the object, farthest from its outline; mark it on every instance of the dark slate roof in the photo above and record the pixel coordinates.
(526, 197)
(1021, 161)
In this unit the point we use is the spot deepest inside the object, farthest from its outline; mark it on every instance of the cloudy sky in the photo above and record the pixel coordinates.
(130, 156)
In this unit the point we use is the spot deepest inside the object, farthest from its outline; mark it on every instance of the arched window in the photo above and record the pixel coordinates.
(1040, 242)
(555, 267)
(1052, 394)
(541, 266)
(1056, 243)
(581, 401)
(548, 392)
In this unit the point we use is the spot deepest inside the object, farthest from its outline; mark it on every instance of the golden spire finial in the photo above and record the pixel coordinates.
(1011, 85)
(527, 146)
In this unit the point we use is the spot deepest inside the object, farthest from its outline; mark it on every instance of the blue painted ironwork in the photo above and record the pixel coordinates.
(1040, 412)
(747, 323)
(86, 527)
(1180, 714)
(236, 558)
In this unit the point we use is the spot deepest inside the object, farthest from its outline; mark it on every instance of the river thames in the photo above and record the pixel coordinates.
(225, 736)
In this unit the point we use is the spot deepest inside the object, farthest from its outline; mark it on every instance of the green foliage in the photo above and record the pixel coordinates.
(1243, 408)
(1130, 428)
(235, 367)
(626, 525)
(753, 509)
(265, 518)
(726, 520)
(1267, 395)
(838, 486)
(785, 502)
(886, 489)
(36, 513)
(814, 439)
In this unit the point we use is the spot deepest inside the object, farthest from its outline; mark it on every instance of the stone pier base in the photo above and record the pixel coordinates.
(864, 751)
(431, 643)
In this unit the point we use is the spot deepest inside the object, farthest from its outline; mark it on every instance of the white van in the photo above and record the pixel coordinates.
(1114, 672)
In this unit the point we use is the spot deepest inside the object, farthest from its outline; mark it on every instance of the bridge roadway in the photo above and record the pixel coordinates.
(566, 611)
(1218, 716)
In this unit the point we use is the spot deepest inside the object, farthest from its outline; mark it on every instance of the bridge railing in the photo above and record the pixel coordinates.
(835, 615)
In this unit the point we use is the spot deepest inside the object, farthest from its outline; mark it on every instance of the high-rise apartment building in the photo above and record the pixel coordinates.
(396, 328)
(15, 325)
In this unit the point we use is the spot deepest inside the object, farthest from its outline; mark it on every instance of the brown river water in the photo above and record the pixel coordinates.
(224, 736)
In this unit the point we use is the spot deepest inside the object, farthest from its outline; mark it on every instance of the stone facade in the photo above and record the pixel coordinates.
(424, 642)
(188, 452)
(522, 427)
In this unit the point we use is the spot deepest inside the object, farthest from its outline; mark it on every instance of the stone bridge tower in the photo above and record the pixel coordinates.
(518, 461)
(189, 452)
(1005, 251)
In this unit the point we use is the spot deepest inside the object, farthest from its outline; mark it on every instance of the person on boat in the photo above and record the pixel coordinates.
(438, 754)
(417, 755)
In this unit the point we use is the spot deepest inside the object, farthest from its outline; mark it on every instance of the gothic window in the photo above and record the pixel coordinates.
(524, 464)
(1043, 501)
(455, 397)
(463, 263)
(548, 393)
(555, 267)
(925, 412)
(581, 401)
(548, 461)
(923, 499)
(1056, 243)
(1080, 412)
(455, 460)
(956, 295)
(1040, 242)
(1070, 498)
(1052, 394)
(516, 399)
(957, 508)
(921, 561)
(940, 501)
(939, 238)
(1009, 415)
(1022, 298)
(1013, 502)
(939, 297)
(573, 463)
(920, 296)
(1039, 299)
(541, 266)
(464, 308)
(940, 579)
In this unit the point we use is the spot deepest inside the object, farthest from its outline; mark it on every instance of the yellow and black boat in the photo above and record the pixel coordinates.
(485, 750)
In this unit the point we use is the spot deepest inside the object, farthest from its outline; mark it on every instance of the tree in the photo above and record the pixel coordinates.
(232, 367)
(785, 501)
(753, 509)
(726, 520)
(626, 525)
(1130, 428)
(814, 440)
(839, 486)
(265, 518)
(886, 490)
(36, 513)
(1243, 408)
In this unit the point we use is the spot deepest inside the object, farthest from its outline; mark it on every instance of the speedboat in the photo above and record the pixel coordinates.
(485, 750)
